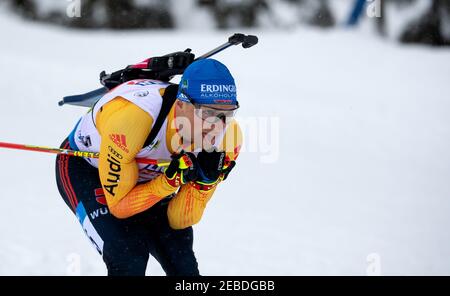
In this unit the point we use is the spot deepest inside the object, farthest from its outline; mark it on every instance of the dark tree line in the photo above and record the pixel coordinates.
(429, 28)
(129, 14)
(114, 14)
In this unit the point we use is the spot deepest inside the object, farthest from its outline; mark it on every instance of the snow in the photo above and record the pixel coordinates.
(362, 170)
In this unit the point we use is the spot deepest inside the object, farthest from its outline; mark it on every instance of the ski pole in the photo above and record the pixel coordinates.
(76, 153)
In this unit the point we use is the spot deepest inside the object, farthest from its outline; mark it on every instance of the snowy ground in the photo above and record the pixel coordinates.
(364, 152)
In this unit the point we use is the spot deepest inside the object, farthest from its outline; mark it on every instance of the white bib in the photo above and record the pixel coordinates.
(143, 93)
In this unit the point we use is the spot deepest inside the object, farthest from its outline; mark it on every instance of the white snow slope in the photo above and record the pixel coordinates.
(361, 182)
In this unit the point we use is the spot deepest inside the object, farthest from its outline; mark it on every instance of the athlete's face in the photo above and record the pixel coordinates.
(201, 122)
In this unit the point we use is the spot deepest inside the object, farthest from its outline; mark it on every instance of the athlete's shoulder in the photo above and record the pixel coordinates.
(139, 88)
(144, 93)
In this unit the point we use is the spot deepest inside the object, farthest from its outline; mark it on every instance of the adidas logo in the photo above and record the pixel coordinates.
(120, 141)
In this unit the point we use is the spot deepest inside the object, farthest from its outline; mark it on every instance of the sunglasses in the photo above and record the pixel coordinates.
(212, 114)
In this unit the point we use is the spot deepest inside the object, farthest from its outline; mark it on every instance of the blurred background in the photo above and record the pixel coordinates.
(345, 110)
(422, 21)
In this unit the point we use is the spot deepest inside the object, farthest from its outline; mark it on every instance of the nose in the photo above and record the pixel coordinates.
(212, 130)
(209, 128)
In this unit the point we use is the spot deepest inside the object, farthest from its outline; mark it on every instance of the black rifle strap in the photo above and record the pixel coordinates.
(169, 98)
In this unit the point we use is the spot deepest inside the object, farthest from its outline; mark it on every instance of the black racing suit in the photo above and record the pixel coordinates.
(125, 244)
